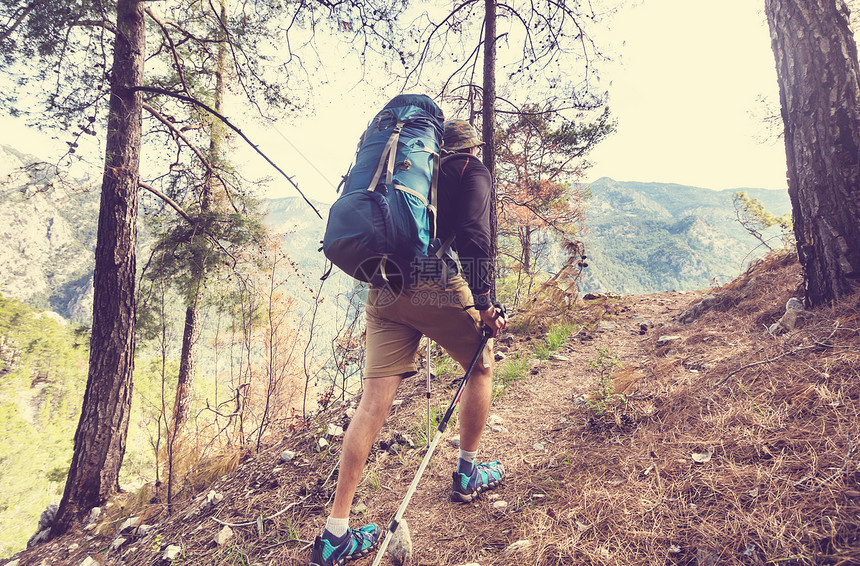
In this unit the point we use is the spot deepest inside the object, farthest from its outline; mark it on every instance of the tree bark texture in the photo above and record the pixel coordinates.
(819, 86)
(100, 438)
(489, 128)
(185, 378)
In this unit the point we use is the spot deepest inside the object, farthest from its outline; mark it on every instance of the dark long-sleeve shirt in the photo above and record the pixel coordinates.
(464, 210)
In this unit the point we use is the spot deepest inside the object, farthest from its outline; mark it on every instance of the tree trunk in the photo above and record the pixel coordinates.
(489, 128)
(819, 89)
(100, 438)
(186, 366)
(191, 332)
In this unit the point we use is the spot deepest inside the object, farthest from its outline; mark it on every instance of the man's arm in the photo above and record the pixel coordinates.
(473, 230)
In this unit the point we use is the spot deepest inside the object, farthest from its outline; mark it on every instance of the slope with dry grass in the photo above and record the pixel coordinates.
(732, 446)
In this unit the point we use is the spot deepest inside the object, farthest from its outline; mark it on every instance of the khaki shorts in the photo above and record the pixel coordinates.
(396, 322)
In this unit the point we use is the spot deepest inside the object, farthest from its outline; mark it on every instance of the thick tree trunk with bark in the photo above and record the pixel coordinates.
(101, 435)
(489, 126)
(819, 86)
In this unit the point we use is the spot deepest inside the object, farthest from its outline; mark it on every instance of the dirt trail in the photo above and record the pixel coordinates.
(525, 424)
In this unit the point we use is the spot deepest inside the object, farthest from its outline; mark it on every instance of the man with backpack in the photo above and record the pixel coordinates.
(450, 309)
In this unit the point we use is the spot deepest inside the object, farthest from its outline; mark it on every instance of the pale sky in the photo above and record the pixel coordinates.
(684, 81)
(687, 78)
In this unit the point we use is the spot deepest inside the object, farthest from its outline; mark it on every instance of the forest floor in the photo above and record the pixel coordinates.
(733, 445)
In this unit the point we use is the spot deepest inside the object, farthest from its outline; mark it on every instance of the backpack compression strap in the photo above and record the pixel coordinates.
(389, 153)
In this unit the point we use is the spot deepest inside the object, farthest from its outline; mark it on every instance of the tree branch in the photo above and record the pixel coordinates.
(179, 134)
(173, 204)
(230, 125)
(169, 39)
(21, 17)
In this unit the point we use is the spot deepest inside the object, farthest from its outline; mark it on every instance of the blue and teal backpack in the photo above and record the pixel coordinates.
(385, 219)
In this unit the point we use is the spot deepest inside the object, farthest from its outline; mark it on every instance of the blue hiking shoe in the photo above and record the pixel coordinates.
(355, 544)
(484, 477)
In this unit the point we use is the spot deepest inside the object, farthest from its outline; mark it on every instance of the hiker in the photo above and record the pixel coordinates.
(453, 316)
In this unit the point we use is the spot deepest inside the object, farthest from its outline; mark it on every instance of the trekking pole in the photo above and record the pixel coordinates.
(441, 429)
(428, 391)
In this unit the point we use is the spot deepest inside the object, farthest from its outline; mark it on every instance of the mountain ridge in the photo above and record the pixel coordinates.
(640, 236)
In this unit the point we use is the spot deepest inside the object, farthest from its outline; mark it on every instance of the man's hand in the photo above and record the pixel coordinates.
(494, 320)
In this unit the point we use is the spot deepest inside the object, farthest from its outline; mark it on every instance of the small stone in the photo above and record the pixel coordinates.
(143, 530)
(404, 440)
(74, 546)
(39, 538)
(496, 428)
(350, 412)
(606, 325)
(46, 519)
(334, 430)
(94, 515)
(13, 563)
(288, 456)
(213, 497)
(172, 552)
(89, 561)
(322, 444)
(500, 504)
(397, 403)
(495, 420)
(559, 358)
(360, 509)
(776, 329)
(454, 441)
(538, 446)
(518, 546)
(117, 542)
(500, 356)
(663, 340)
(130, 524)
(223, 536)
(400, 548)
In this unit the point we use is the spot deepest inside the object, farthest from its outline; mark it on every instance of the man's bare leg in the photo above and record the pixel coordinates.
(475, 406)
(372, 411)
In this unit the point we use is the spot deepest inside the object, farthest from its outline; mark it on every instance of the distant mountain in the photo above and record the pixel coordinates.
(648, 237)
(641, 237)
(48, 238)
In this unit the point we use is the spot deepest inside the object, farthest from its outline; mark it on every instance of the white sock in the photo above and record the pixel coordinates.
(337, 527)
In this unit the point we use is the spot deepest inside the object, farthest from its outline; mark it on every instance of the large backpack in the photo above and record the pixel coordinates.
(385, 219)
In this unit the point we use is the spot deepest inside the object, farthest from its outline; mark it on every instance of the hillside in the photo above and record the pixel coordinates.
(48, 237)
(736, 445)
(647, 237)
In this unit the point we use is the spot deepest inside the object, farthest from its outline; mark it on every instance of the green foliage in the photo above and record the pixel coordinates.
(603, 398)
(541, 351)
(755, 218)
(558, 335)
(42, 381)
(446, 366)
(511, 370)
(555, 338)
(650, 237)
(540, 163)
